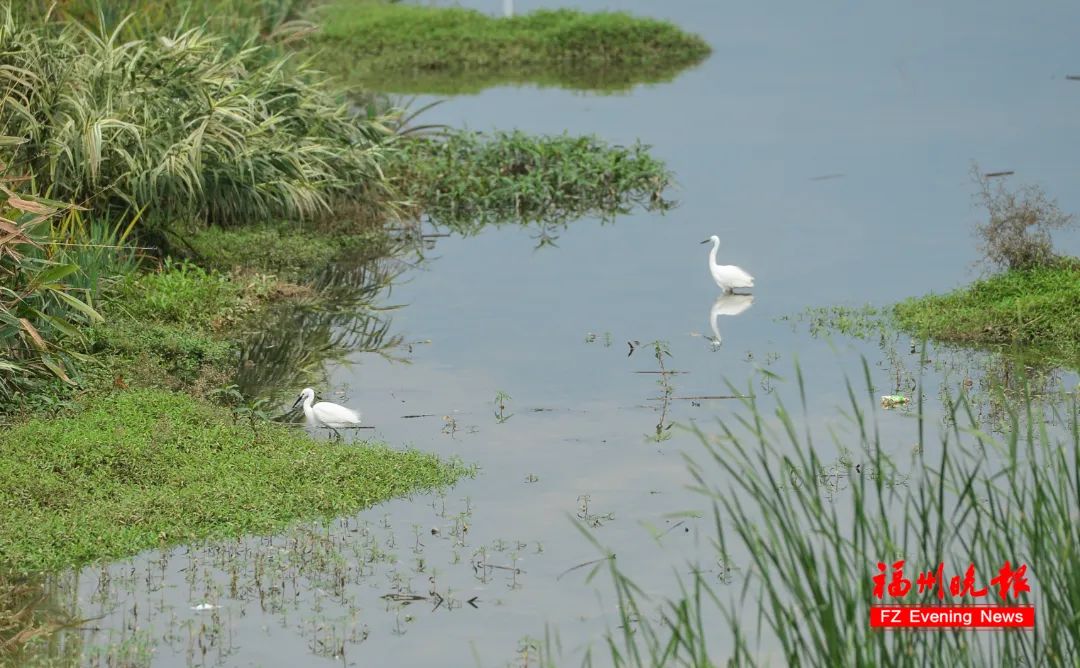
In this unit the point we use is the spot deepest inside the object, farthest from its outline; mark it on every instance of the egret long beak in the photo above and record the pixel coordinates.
(706, 241)
(298, 400)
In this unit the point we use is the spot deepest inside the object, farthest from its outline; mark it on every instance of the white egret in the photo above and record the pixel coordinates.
(326, 414)
(728, 304)
(727, 276)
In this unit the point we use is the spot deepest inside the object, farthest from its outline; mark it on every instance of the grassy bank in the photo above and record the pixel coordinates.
(146, 468)
(1036, 308)
(408, 48)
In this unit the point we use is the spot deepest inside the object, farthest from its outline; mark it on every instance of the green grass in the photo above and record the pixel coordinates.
(290, 252)
(408, 48)
(1039, 308)
(467, 180)
(169, 327)
(146, 468)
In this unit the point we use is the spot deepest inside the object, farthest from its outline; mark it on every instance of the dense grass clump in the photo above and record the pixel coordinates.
(231, 18)
(140, 469)
(467, 180)
(1038, 308)
(404, 47)
(175, 327)
(181, 124)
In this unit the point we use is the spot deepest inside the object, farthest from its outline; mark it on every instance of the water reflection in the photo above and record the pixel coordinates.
(292, 345)
(727, 304)
(32, 611)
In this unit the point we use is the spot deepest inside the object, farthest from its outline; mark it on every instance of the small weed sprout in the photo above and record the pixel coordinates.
(1017, 233)
(501, 415)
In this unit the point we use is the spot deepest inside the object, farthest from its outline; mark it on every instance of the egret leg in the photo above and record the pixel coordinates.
(337, 434)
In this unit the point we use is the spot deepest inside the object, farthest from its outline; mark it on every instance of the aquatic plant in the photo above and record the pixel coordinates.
(466, 180)
(410, 48)
(1035, 308)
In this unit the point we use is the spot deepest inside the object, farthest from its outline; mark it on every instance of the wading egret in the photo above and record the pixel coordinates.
(727, 276)
(326, 414)
(728, 304)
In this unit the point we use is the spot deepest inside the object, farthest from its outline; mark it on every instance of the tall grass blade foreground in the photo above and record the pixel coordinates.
(807, 536)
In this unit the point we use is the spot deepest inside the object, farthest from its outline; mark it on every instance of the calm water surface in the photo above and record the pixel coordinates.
(892, 104)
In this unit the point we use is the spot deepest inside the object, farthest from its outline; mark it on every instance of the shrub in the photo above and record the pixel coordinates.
(1017, 233)
(180, 123)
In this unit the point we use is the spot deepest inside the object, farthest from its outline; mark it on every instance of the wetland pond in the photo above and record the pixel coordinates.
(829, 147)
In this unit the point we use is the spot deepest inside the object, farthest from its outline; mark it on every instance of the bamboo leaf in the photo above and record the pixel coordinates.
(79, 305)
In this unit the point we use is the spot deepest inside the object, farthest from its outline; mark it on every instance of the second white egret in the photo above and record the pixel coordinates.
(727, 276)
(326, 414)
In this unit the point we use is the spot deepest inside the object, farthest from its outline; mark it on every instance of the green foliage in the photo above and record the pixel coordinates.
(241, 18)
(141, 469)
(40, 314)
(1038, 308)
(180, 293)
(409, 48)
(467, 180)
(262, 248)
(290, 252)
(98, 248)
(182, 124)
(174, 323)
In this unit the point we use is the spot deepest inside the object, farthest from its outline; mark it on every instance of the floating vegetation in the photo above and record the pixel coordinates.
(467, 180)
(449, 50)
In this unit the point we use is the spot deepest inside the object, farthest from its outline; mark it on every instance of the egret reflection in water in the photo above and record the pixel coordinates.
(726, 304)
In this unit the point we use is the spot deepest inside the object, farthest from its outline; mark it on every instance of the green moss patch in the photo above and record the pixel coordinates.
(1039, 308)
(145, 468)
(409, 48)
